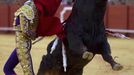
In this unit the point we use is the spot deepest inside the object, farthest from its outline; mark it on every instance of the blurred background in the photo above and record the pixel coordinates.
(119, 15)
(119, 18)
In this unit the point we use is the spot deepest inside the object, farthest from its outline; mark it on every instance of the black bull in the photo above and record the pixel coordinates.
(85, 26)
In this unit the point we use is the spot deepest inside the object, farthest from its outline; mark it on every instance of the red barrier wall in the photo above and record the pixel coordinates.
(12, 9)
(4, 15)
(131, 17)
(117, 17)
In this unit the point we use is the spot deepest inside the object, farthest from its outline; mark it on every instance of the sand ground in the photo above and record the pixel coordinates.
(123, 49)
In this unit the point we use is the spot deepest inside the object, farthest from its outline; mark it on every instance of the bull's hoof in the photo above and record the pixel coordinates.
(87, 55)
(117, 67)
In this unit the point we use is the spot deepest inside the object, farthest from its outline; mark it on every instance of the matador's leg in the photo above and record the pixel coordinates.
(23, 52)
(25, 24)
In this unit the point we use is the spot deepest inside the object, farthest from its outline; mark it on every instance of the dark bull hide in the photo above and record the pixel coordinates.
(51, 64)
(84, 27)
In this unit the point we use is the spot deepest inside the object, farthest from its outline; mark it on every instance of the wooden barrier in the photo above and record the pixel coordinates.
(4, 15)
(117, 16)
(12, 9)
(131, 18)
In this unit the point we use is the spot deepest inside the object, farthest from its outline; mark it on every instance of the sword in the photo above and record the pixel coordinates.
(37, 40)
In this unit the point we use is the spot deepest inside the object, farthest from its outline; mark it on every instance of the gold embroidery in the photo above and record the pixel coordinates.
(27, 11)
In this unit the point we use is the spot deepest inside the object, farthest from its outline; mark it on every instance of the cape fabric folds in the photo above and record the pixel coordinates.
(48, 24)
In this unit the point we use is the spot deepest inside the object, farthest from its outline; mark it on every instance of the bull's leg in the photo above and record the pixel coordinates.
(76, 65)
(42, 67)
(51, 63)
(76, 71)
(78, 48)
(106, 54)
(53, 71)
